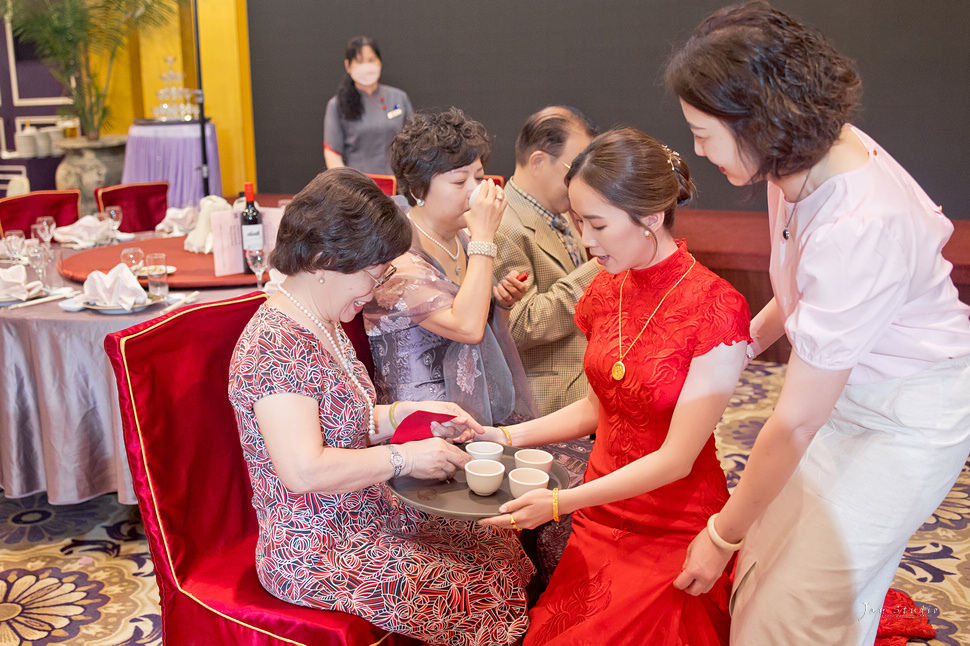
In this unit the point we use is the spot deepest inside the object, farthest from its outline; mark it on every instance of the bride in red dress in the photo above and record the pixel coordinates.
(667, 339)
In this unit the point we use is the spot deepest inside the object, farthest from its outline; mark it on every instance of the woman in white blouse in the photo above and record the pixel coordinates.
(872, 426)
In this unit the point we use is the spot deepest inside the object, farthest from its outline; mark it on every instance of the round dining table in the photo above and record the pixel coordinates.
(60, 425)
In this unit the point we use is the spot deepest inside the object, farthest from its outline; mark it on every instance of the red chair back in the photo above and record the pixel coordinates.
(193, 487)
(387, 183)
(142, 205)
(23, 210)
(498, 179)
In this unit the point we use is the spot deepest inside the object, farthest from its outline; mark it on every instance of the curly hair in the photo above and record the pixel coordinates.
(341, 221)
(635, 173)
(432, 143)
(779, 86)
(349, 104)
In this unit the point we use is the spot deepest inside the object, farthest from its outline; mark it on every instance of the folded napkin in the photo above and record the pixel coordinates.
(13, 284)
(200, 239)
(86, 232)
(117, 288)
(178, 222)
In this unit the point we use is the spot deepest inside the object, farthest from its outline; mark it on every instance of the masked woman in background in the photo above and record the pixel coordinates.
(364, 116)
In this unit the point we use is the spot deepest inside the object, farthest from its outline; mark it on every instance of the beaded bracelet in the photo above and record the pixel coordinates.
(508, 436)
(555, 505)
(716, 538)
(390, 415)
(481, 248)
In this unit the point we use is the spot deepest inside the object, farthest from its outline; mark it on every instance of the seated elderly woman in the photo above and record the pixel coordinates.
(435, 331)
(332, 534)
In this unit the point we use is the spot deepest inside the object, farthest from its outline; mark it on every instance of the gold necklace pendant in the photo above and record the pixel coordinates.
(618, 371)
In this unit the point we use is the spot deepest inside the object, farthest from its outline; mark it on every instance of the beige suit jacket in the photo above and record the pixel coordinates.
(549, 343)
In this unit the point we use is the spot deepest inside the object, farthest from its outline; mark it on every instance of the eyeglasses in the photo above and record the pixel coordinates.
(568, 166)
(379, 282)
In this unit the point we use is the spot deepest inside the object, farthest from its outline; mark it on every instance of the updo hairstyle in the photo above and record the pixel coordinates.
(341, 221)
(432, 143)
(635, 173)
(778, 85)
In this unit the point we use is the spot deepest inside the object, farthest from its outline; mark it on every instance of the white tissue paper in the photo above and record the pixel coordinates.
(200, 239)
(117, 288)
(178, 222)
(14, 285)
(86, 232)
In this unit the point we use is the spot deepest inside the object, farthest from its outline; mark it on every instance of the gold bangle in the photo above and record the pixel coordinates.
(717, 540)
(390, 415)
(555, 505)
(508, 436)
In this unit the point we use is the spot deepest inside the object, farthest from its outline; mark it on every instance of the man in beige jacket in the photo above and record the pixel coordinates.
(537, 236)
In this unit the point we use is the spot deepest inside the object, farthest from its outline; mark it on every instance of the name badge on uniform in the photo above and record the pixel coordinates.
(395, 113)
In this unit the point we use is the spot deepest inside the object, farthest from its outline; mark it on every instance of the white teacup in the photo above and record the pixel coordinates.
(533, 459)
(484, 450)
(524, 480)
(484, 477)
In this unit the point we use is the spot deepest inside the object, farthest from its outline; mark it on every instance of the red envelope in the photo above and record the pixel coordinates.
(417, 426)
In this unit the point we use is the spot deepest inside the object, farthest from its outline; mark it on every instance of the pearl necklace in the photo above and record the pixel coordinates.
(619, 370)
(453, 256)
(341, 358)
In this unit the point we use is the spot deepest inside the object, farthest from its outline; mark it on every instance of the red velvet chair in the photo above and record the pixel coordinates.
(387, 183)
(498, 179)
(193, 487)
(23, 210)
(143, 205)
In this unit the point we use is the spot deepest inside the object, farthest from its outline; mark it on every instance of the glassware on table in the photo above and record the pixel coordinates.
(157, 271)
(48, 225)
(14, 239)
(37, 257)
(256, 259)
(114, 214)
(134, 257)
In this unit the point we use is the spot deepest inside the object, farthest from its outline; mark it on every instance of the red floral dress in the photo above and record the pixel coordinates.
(364, 552)
(614, 582)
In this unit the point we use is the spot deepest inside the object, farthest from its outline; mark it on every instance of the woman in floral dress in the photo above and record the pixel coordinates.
(332, 535)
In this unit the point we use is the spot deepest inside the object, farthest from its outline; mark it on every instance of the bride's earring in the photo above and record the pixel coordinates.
(417, 200)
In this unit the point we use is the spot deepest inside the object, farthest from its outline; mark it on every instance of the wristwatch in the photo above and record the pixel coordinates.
(397, 460)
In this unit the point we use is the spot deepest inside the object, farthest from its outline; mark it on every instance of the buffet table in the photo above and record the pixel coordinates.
(60, 427)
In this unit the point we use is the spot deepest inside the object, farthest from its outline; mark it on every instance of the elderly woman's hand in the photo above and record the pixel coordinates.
(461, 428)
(509, 290)
(485, 214)
(432, 458)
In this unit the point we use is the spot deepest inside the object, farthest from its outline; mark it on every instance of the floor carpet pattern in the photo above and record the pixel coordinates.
(82, 574)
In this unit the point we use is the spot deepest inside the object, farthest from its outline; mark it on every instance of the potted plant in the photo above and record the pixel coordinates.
(79, 40)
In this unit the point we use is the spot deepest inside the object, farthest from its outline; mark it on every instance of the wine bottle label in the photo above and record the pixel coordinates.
(252, 236)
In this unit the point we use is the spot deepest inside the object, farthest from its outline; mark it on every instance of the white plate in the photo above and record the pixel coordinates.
(143, 272)
(114, 309)
(68, 305)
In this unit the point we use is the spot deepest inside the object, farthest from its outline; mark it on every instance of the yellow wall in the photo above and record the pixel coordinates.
(224, 38)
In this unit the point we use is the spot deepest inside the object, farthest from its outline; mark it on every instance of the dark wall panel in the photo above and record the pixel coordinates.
(503, 59)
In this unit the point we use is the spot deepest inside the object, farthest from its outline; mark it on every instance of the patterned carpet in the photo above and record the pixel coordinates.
(82, 574)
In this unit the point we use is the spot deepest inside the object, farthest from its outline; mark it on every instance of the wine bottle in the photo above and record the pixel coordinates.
(252, 225)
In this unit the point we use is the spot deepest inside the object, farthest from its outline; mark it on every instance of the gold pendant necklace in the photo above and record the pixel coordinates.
(619, 370)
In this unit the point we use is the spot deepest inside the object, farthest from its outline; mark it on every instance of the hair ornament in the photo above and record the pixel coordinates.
(671, 156)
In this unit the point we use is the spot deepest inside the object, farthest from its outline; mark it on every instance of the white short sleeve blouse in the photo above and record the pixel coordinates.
(861, 283)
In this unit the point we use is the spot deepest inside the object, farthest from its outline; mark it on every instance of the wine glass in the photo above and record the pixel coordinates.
(14, 239)
(115, 215)
(256, 259)
(47, 230)
(37, 257)
(134, 257)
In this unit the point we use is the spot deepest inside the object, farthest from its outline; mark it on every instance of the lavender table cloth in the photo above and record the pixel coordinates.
(173, 152)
